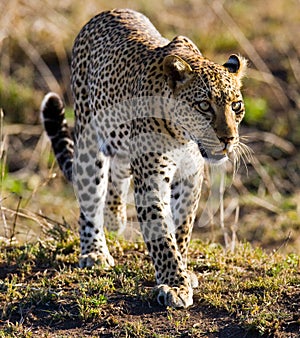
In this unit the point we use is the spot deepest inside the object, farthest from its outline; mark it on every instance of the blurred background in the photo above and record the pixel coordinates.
(261, 203)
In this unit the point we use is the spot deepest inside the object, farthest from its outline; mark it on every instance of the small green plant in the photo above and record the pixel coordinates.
(256, 110)
(90, 307)
(137, 329)
(15, 330)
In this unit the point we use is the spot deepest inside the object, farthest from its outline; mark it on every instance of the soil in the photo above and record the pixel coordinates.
(213, 323)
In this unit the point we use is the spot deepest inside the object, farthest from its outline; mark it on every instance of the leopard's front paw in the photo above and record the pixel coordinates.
(93, 258)
(177, 297)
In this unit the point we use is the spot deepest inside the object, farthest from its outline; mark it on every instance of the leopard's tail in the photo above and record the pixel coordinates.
(55, 124)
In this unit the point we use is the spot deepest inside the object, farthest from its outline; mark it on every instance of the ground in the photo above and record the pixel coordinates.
(242, 294)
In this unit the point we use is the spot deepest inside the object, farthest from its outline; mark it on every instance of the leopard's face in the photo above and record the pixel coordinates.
(211, 104)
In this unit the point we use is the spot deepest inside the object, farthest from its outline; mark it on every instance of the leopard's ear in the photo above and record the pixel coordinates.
(237, 65)
(177, 71)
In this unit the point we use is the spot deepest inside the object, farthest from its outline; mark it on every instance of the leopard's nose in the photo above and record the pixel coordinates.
(228, 143)
(226, 139)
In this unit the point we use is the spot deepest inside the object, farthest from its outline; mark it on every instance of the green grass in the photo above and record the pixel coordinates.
(42, 289)
(250, 284)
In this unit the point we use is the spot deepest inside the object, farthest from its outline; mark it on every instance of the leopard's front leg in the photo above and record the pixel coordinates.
(153, 196)
(185, 195)
(173, 280)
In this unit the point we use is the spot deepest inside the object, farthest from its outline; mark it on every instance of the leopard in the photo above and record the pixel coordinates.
(152, 112)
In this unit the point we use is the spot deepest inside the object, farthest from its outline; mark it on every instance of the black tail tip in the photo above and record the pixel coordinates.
(51, 105)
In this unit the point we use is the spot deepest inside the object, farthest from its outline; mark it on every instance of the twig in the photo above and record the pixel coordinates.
(265, 204)
(234, 228)
(36, 153)
(266, 178)
(232, 205)
(48, 219)
(284, 243)
(275, 140)
(2, 170)
(39, 63)
(15, 221)
(28, 215)
(222, 224)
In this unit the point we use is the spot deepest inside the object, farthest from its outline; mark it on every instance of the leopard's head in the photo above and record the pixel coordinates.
(211, 104)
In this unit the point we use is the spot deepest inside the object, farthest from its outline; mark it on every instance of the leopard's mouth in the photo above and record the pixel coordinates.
(212, 155)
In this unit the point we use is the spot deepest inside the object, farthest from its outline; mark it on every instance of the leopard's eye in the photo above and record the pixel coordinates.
(204, 105)
(236, 106)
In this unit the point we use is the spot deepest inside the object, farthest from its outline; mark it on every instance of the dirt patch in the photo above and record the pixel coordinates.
(128, 313)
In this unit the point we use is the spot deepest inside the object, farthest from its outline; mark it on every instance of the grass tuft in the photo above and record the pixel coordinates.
(42, 289)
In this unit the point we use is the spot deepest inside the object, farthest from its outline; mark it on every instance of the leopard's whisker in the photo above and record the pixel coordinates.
(244, 154)
(236, 161)
(243, 158)
(247, 151)
(246, 137)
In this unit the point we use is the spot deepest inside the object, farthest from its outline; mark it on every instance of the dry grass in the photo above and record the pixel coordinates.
(35, 28)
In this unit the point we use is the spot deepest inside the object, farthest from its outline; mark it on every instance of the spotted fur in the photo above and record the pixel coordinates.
(152, 109)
